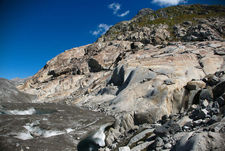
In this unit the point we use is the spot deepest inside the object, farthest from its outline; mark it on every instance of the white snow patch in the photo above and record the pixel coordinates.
(30, 111)
(24, 136)
(52, 133)
(33, 130)
(68, 130)
(44, 119)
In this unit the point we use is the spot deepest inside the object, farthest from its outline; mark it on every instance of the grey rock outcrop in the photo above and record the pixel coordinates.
(9, 93)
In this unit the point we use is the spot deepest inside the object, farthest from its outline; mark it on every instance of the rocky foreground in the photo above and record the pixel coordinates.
(201, 127)
(161, 76)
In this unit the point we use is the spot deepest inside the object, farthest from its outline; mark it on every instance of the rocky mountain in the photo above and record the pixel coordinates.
(176, 23)
(160, 75)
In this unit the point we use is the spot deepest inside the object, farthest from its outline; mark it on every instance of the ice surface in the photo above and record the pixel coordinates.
(30, 111)
(24, 136)
(68, 130)
(52, 133)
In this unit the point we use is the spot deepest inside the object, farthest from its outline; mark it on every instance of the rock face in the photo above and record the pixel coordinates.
(149, 80)
(183, 23)
(201, 127)
(160, 63)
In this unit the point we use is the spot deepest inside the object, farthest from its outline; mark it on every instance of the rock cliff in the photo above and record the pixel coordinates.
(158, 63)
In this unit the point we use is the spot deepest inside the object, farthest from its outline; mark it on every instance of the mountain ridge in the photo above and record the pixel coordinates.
(168, 18)
(139, 75)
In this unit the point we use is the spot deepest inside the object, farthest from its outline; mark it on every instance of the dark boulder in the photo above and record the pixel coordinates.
(219, 89)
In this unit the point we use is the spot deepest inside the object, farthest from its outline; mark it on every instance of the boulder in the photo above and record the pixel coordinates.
(126, 148)
(219, 89)
(143, 117)
(211, 79)
(220, 51)
(142, 146)
(206, 94)
(198, 114)
(169, 127)
(201, 141)
(136, 45)
(140, 136)
(195, 85)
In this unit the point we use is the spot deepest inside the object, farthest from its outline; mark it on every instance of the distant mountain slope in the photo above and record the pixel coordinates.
(10, 94)
(19, 81)
(176, 23)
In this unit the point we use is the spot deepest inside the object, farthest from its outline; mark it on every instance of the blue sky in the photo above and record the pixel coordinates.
(34, 31)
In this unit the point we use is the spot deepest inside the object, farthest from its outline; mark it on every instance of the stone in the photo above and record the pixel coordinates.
(198, 114)
(161, 131)
(213, 120)
(94, 65)
(211, 79)
(125, 121)
(204, 103)
(214, 111)
(159, 142)
(206, 94)
(142, 146)
(166, 140)
(126, 148)
(144, 11)
(195, 85)
(194, 106)
(104, 149)
(200, 141)
(218, 127)
(168, 82)
(219, 89)
(220, 101)
(167, 146)
(136, 45)
(220, 51)
(216, 105)
(143, 117)
(112, 135)
(169, 127)
(219, 73)
(140, 136)
(215, 45)
(183, 121)
(164, 119)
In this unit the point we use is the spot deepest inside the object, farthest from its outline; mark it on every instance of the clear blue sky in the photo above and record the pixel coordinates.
(34, 31)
